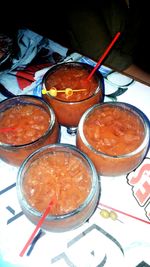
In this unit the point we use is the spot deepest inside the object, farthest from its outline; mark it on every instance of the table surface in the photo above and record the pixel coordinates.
(100, 241)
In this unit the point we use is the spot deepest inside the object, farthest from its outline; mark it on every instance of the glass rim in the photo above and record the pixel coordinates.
(97, 74)
(129, 107)
(50, 113)
(61, 147)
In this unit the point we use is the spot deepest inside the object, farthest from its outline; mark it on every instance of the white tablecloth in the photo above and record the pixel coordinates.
(100, 241)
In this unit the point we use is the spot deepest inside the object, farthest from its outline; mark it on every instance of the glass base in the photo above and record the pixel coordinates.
(72, 130)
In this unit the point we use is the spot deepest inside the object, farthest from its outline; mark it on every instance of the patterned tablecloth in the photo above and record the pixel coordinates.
(121, 239)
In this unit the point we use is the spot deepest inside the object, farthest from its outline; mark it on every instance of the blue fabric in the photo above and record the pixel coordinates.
(30, 44)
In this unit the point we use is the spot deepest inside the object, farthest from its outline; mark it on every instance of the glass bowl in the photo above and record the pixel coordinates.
(26, 124)
(63, 174)
(78, 93)
(115, 136)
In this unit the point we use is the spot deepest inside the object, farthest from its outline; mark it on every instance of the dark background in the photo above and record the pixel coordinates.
(46, 18)
(49, 19)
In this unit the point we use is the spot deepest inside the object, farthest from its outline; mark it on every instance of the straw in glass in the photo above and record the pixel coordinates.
(37, 227)
(104, 55)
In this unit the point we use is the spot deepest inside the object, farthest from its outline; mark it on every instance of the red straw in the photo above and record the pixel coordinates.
(37, 228)
(7, 129)
(124, 213)
(104, 55)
